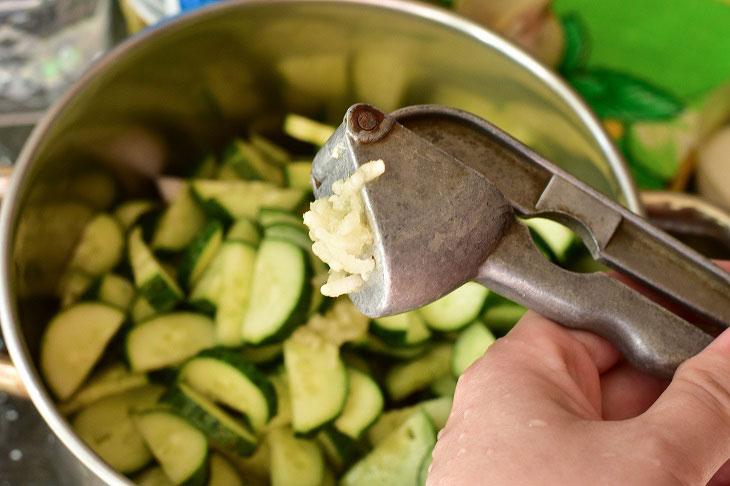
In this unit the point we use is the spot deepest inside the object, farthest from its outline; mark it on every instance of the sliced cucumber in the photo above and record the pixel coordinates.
(239, 199)
(245, 230)
(271, 216)
(222, 472)
(73, 286)
(438, 410)
(115, 290)
(107, 428)
(397, 459)
(179, 224)
(501, 317)
(233, 300)
(179, 447)
(457, 309)
(298, 174)
(425, 467)
(280, 295)
(100, 247)
(307, 130)
(141, 309)
(317, 380)
(340, 450)
(262, 354)
(375, 345)
(153, 476)
(272, 152)
(256, 469)
(294, 461)
(559, 239)
(74, 341)
(470, 346)
(283, 400)
(249, 163)
(153, 282)
(199, 253)
(224, 376)
(407, 329)
(168, 339)
(221, 429)
(444, 386)
(363, 406)
(404, 379)
(108, 381)
(129, 212)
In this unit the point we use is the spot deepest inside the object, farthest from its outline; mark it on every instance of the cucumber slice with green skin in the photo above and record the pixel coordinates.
(502, 317)
(74, 341)
(438, 410)
(129, 212)
(100, 247)
(444, 386)
(397, 459)
(363, 406)
(107, 428)
(207, 167)
(153, 282)
(153, 476)
(199, 253)
(457, 309)
(280, 295)
(340, 450)
(297, 174)
(376, 346)
(317, 378)
(256, 469)
(233, 300)
(248, 163)
(168, 339)
(273, 153)
(74, 286)
(243, 199)
(557, 237)
(307, 130)
(271, 216)
(179, 447)
(225, 377)
(220, 428)
(108, 381)
(179, 224)
(283, 400)
(425, 467)
(141, 310)
(294, 461)
(404, 379)
(112, 289)
(470, 345)
(262, 354)
(222, 472)
(407, 329)
(245, 230)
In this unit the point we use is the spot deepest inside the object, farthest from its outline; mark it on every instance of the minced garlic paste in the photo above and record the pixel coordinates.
(341, 234)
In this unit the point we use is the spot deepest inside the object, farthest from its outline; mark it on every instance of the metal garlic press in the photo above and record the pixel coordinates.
(445, 212)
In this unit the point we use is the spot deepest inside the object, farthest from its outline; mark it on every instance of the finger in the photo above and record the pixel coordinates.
(691, 419)
(627, 392)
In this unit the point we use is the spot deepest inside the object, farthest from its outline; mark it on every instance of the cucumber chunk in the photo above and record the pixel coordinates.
(317, 380)
(245, 230)
(424, 467)
(280, 295)
(397, 459)
(363, 406)
(105, 382)
(100, 247)
(444, 386)
(294, 461)
(457, 309)
(129, 212)
(179, 447)
(283, 399)
(404, 379)
(297, 174)
(249, 163)
(221, 429)
(236, 275)
(271, 216)
(438, 410)
(199, 253)
(74, 341)
(407, 329)
(222, 472)
(73, 286)
(153, 476)
(168, 339)
(307, 130)
(179, 224)
(243, 199)
(141, 310)
(107, 428)
(500, 317)
(470, 346)
(340, 450)
(115, 290)
(153, 282)
(559, 239)
(225, 377)
(262, 354)
(273, 153)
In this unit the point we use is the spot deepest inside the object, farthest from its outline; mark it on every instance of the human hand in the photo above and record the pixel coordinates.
(550, 405)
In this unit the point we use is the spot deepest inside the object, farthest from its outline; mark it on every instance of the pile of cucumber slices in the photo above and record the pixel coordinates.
(193, 347)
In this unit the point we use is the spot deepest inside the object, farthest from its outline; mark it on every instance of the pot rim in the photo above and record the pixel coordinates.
(8, 315)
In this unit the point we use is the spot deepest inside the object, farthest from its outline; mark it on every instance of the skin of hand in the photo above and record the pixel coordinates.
(550, 405)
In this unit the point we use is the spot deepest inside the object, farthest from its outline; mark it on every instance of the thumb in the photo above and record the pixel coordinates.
(691, 419)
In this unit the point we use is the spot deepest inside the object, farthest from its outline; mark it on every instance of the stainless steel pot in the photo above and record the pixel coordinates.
(151, 105)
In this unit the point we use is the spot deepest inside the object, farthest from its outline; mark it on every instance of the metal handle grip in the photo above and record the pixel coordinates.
(650, 337)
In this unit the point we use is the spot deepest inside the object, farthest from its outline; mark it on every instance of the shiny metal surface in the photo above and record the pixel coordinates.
(441, 216)
(154, 103)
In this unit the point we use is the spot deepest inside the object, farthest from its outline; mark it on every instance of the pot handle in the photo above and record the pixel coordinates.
(10, 381)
